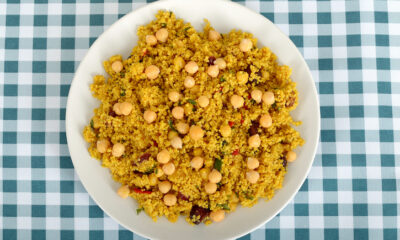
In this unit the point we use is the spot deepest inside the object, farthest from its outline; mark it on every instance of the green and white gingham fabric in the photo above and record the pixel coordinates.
(351, 47)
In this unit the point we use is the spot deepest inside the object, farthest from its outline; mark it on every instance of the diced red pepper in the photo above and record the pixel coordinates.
(155, 143)
(241, 120)
(245, 107)
(236, 152)
(221, 88)
(249, 96)
(138, 190)
(231, 124)
(144, 52)
(144, 157)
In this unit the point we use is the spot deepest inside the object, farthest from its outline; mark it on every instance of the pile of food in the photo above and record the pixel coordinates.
(194, 123)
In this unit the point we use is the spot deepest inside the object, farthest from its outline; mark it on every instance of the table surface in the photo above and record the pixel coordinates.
(352, 49)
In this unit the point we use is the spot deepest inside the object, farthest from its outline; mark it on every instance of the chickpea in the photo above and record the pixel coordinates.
(252, 176)
(172, 134)
(291, 156)
(170, 199)
(242, 77)
(176, 142)
(152, 180)
(118, 150)
(191, 67)
(203, 101)
(268, 98)
(123, 191)
(225, 130)
(245, 45)
(174, 96)
(197, 163)
(125, 108)
(117, 66)
(265, 121)
(102, 145)
(164, 186)
(163, 156)
(179, 63)
(117, 108)
(256, 95)
(210, 187)
(151, 40)
(237, 101)
(162, 35)
(189, 82)
(168, 168)
(149, 116)
(152, 72)
(160, 172)
(196, 133)
(214, 176)
(178, 112)
(213, 71)
(217, 215)
(213, 35)
(252, 163)
(182, 127)
(220, 62)
(197, 152)
(254, 141)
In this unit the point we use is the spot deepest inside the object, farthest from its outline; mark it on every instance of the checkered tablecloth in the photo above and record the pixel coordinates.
(352, 49)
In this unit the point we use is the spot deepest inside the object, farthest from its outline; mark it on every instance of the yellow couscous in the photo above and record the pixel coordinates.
(194, 123)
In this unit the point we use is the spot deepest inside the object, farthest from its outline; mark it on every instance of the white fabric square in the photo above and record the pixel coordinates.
(24, 173)
(25, 31)
(82, 9)
(310, 29)
(26, 9)
(53, 198)
(375, 222)
(24, 223)
(53, 102)
(81, 223)
(339, 52)
(53, 31)
(315, 197)
(374, 172)
(346, 222)
(310, 6)
(53, 223)
(370, 99)
(52, 174)
(344, 172)
(367, 28)
(338, 6)
(371, 123)
(24, 198)
(341, 99)
(55, 9)
(372, 148)
(286, 221)
(24, 149)
(369, 75)
(368, 52)
(374, 197)
(281, 7)
(367, 6)
(338, 29)
(52, 149)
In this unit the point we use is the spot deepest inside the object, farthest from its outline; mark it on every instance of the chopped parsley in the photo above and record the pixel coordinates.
(224, 206)
(224, 143)
(191, 101)
(218, 164)
(122, 74)
(151, 170)
(139, 210)
(123, 93)
(222, 79)
(92, 124)
(170, 123)
(163, 25)
(247, 196)
(186, 29)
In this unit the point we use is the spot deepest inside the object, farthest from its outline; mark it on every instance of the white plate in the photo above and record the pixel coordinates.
(120, 39)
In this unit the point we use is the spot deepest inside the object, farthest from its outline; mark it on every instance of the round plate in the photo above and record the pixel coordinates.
(120, 38)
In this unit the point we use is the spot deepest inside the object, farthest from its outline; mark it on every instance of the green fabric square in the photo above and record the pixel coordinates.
(10, 234)
(13, 1)
(67, 43)
(325, 87)
(295, 18)
(11, 66)
(68, 20)
(356, 87)
(9, 137)
(324, 41)
(96, 235)
(352, 17)
(64, 90)
(329, 160)
(383, 63)
(357, 135)
(126, 235)
(9, 210)
(95, 212)
(361, 233)
(273, 233)
(359, 185)
(384, 87)
(360, 209)
(330, 209)
(67, 211)
(304, 186)
(67, 186)
(358, 160)
(382, 40)
(297, 40)
(245, 237)
(389, 209)
(389, 234)
(354, 63)
(38, 234)
(331, 234)
(381, 17)
(38, 90)
(65, 162)
(39, 43)
(38, 186)
(12, 43)
(67, 235)
(91, 41)
(386, 136)
(388, 184)
(38, 66)
(328, 136)
(62, 114)
(40, 20)
(9, 161)
(269, 15)
(300, 209)
(38, 162)
(356, 111)
(353, 40)
(67, 67)
(10, 114)
(301, 233)
(96, 1)
(387, 160)
(330, 185)
(325, 64)
(324, 18)
(38, 211)
(96, 20)
(38, 114)
(63, 138)
(9, 186)
(12, 20)
(38, 137)
(327, 112)
(41, 1)
(385, 112)
(10, 90)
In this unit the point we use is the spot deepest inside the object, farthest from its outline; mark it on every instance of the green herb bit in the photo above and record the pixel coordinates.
(151, 170)
(92, 124)
(122, 74)
(247, 196)
(170, 13)
(186, 28)
(253, 101)
(123, 93)
(163, 25)
(170, 123)
(194, 109)
(139, 210)
(222, 79)
(218, 164)
(224, 206)
(191, 101)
